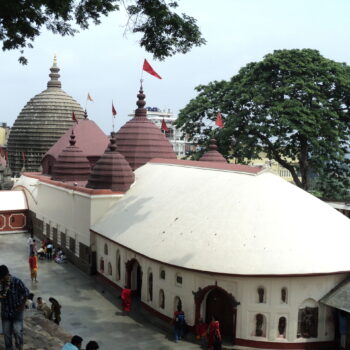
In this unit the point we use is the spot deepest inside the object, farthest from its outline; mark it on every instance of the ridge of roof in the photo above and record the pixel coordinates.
(240, 168)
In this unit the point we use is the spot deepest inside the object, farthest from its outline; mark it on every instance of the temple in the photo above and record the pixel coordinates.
(226, 240)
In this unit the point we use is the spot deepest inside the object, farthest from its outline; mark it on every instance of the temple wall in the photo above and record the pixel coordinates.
(300, 292)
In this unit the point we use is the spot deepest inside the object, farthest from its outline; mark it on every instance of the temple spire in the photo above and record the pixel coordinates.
(72, 140)
(141, 110)
(54, 82)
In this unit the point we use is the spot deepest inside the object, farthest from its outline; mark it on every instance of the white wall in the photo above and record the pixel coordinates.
(70, 211)
(244, 289)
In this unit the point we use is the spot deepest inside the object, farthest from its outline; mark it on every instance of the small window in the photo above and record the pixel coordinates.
(150, 286)
(106, 249)
(177, 303)
(178, 279)
(118, 265)
(284, 295)
(260, 325)
(307, 322)
(161, 299)
(72, 244)
(162, 274)
(282, 325)
(261, 295)
(102, 265)
(110, 269)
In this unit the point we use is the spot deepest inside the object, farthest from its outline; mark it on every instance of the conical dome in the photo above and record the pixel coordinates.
(42, 121)
(140, 140)
(111, 171)
(213, 155)
(72, 164)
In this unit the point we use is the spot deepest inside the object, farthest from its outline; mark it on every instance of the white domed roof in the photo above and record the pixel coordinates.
(228, 222)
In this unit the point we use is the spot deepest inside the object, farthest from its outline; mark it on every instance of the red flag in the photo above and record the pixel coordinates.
(74, 117)
(114, 112)
(164, 127)
(89, 98)
(23, 156)
(219, 122)
(147, 67)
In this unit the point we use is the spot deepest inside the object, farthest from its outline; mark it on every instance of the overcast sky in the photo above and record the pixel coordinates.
(108, 65)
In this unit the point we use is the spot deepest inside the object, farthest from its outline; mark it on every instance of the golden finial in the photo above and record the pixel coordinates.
(54, 59)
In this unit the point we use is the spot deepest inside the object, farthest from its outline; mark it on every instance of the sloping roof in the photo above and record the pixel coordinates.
(12, 200)
(339, 297)
(90, 139)
(226, 221)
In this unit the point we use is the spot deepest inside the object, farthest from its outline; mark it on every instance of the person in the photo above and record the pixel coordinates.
(214, 335)
(35, 247)
(60, 257)
(201, 331)
(92, 345)
(75, 343)
(43, 307)
(30, 244)
(33, 266)
(30, 304)
(49, 249)
(13, 296)
(126, 299)
(55, 311)
(179, 323)
(41, 253)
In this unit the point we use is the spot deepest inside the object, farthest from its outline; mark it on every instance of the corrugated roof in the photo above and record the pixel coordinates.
(339, 296)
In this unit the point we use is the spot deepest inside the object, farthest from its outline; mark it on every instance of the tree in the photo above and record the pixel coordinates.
(293, 106)
(164, 32)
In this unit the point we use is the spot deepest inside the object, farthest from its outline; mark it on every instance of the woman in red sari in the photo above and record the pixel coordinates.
(214, 335)
(126, 299)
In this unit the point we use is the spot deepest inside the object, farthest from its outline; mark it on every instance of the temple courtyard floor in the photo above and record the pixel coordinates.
(89, 308)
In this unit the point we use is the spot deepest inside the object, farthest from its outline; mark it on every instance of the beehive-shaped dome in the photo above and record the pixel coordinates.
(111, 171)
(42, 121)
(140, 140)
(212, 154)
(72, 164)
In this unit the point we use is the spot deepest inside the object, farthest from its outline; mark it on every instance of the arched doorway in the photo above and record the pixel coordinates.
(134, 276)
(221, 305)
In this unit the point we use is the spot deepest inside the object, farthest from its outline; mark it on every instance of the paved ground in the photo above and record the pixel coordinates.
(88, 309)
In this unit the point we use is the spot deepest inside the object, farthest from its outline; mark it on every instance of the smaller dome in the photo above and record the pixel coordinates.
(212, 154)
(111, 171)
(72, 164)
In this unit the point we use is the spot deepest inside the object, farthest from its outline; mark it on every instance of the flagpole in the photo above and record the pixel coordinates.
(112, 119)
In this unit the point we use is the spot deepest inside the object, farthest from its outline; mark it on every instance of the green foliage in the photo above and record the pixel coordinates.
(293, 106)
(333, 182)
(164, 32)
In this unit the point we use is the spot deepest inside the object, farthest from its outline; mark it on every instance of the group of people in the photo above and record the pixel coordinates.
(76, 344)
(209, 335)
(51, 313)
(46, 250)
(15, 298)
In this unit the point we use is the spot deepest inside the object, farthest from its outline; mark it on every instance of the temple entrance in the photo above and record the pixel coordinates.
(219, 306)
(215, 301)
(134, 277)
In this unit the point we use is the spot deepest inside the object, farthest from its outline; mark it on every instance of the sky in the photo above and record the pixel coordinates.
(107, 64)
